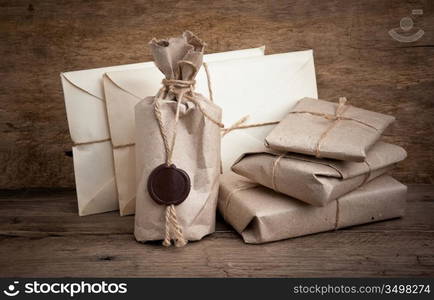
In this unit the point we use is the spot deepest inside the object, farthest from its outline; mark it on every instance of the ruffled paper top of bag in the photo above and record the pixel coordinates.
(180, 57)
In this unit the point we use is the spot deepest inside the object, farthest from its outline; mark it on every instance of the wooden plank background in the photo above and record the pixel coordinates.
(354, 56)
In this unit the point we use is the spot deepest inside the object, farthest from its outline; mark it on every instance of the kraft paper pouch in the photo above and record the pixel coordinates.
(314, 180)
(123, 90)
(161, 187)
(330, 130)
(261, 215)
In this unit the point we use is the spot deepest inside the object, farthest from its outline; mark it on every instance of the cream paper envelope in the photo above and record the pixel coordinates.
(92, 150)
(264, 88)
(123, 90)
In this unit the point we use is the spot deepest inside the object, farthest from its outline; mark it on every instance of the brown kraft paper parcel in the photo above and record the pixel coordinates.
(261, 215)
(314, 180)
(196, 151)
(329, 130)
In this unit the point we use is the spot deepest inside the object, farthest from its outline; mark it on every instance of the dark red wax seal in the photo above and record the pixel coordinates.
(168, 185)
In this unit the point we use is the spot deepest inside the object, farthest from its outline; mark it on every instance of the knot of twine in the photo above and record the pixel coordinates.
(175, 86)
(183, 90)
(338, 116)
(335, 118)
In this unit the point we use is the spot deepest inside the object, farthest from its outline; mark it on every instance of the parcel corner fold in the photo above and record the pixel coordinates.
(316, 181)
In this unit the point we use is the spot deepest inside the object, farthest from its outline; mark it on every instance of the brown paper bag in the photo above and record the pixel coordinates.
(261, 215)
(191, 142)
(330, 130)
(314, 180)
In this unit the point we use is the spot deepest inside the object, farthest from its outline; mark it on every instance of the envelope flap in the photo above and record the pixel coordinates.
(146, 81)
(264, 88)
(86, 115)
(139, 83)
(235, 54)
(120, 112)
(249, 97)
(90, 80)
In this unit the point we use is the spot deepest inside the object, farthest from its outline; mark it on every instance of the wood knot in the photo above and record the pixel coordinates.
(106, 258)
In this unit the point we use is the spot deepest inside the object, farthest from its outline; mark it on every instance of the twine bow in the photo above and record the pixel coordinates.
(183, 90)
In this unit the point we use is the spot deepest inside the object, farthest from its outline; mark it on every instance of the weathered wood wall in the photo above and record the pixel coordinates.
(354, 56)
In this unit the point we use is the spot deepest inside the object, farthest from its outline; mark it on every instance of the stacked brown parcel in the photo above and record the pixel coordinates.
(328, 156)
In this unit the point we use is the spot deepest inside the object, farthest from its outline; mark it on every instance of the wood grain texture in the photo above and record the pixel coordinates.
(41, 235)
(354, 56)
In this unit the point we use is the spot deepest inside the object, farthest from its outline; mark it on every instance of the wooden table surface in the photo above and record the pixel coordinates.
(42, 235)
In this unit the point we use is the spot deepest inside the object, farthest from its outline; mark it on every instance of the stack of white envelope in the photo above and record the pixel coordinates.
(243, 83)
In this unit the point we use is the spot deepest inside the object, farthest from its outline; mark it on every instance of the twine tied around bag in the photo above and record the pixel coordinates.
(338, 116)
(182, 90)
